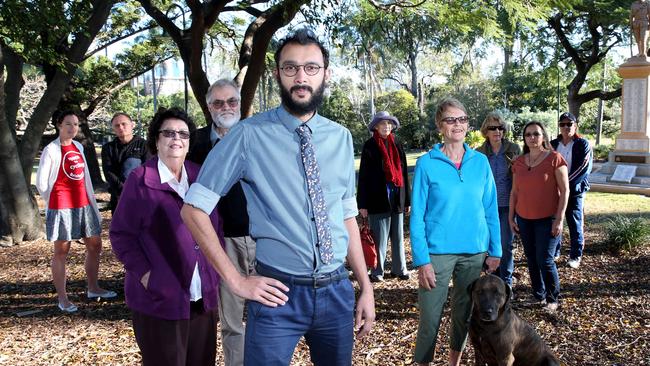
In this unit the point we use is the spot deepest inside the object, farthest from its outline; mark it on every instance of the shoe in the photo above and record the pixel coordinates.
(551, 307)
(542, 302)
(574, 263)
(107, 294)
(374, 278)
(68, 309)
(403, 277)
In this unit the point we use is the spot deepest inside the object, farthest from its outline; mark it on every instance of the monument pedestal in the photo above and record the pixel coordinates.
(629, 163)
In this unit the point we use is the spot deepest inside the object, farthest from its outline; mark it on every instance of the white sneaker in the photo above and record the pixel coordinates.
(68, 309)
(551, 307)
(107, 294)
(574, 263)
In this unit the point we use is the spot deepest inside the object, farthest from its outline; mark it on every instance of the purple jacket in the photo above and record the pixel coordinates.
(148, 234)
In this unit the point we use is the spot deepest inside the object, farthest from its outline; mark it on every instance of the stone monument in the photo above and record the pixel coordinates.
(632, 147)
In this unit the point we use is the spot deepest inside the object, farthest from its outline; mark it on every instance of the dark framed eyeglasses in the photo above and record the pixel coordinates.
(232, 103)
(310, 69)
(532, 134)
(494, 128)
(453, 120)
(566, 124)
(183, 135)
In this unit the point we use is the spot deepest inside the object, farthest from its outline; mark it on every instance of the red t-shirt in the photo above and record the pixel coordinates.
(69, 190)
(537, 191)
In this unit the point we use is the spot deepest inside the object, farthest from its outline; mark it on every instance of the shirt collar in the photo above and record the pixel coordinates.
(214, 135)
(567, 145)
(291, 122)
(166, 176)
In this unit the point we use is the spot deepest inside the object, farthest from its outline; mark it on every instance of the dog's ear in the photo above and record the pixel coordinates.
(470, 288)
(508, 293)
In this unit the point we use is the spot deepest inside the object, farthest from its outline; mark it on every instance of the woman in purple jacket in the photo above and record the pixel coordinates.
(170, 287)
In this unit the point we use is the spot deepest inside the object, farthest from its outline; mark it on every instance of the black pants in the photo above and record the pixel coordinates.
(185, 342)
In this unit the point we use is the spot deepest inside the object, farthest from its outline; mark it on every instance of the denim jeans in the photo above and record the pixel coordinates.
(383, 226)
(324, 316)
(575, 219)
(507, 265)
(539, 247)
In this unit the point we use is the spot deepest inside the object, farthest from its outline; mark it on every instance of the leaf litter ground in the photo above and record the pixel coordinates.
(604, 318)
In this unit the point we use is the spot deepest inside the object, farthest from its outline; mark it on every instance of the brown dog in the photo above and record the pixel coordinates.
(498, 335)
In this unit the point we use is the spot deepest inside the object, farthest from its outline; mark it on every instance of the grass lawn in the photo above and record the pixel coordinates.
(411, 157)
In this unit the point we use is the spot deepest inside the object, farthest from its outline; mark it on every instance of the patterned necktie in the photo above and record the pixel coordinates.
(316, 194)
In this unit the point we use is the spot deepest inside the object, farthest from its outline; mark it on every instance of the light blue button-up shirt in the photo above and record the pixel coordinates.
(263, 152)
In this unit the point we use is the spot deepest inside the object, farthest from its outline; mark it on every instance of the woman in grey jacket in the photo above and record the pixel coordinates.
(501, 153)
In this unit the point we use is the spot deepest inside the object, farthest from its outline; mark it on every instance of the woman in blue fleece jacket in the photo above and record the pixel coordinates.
(454, 230)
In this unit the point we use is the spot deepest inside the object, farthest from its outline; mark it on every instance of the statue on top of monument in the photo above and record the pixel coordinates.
(640, 22)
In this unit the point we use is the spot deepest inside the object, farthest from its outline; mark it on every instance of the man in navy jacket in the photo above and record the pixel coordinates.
(579, 156)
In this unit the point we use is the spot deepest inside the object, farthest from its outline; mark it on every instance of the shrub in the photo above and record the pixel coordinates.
(626, 234)
(474, 139)
(601, 152)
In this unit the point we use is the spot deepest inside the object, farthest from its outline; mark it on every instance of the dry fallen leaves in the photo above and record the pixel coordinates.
(604, 318)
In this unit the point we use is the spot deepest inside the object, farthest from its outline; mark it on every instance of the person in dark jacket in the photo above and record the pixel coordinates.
(122, 155)
(223, 101)
(384, 193)
(579, 157)
(169, 285)
(501, 154)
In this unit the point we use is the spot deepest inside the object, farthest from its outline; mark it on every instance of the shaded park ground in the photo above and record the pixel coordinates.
(604, 318)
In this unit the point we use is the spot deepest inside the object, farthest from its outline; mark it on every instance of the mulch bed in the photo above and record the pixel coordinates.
(604, 318)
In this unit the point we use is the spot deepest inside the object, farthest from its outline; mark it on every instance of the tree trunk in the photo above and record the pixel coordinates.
(31, 141)
(252, 61)
(583, 59)
(86, 138)
(413, 67)
(13, 85)
(19, 215)
(507, 57)
(60, 78)
(198, 80)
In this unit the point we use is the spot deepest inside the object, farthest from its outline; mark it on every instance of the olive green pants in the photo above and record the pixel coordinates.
(464, 269)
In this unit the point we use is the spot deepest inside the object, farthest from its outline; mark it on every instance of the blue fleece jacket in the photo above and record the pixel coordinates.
(453, 211)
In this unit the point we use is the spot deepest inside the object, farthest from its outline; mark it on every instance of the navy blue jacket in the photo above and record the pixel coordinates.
(581, 163)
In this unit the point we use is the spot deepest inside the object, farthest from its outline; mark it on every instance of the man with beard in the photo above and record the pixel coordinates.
(120, 156)
(297, 171)
(223, 101)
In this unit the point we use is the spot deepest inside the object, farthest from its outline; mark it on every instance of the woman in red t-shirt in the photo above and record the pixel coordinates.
(539, 196)
(71, 211)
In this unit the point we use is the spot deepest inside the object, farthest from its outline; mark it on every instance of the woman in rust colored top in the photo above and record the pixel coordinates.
(538, 199)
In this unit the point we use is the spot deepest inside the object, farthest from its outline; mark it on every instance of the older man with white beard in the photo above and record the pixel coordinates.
(223, 101)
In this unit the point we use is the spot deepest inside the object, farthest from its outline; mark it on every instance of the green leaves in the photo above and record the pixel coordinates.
(626, 234)
(40, 30)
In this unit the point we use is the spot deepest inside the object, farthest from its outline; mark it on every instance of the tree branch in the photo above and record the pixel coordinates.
(166, 23)
(394, 6)
(399, 82)
(115, 40)
(556, 24)
(598, 94)
(250, 10)
(212, 9)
